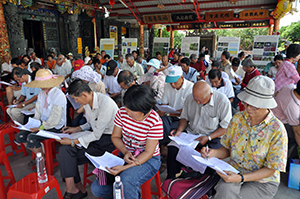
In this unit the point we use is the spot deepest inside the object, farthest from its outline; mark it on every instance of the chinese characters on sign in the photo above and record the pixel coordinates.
(159, 18)
(254, 14)
(193, 26)
(184, 17)
(243, 24)
(226, 15)
(79, 44)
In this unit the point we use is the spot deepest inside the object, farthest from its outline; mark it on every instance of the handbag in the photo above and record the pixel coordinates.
(190, 185)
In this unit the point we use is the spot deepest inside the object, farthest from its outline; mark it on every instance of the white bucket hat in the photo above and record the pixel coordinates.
(259, 93)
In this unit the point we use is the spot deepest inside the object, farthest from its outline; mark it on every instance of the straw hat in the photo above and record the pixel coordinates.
(45, 79)
(259, 93)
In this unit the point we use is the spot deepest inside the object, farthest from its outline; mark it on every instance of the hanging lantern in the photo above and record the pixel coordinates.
(168, 28)
(112, 3)
(283, 6)
(150, 26)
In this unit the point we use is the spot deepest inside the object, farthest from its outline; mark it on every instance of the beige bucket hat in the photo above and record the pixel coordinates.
(45, 79)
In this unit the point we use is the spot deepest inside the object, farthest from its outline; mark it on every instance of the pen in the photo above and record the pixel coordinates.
(207, 152)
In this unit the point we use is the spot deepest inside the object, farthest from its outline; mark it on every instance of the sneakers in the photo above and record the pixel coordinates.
(17, 143)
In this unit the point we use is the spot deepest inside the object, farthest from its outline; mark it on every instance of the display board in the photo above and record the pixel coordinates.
(129, 45)
(108, 45)
(230, 44)
(161, 44)
(113, 33)
(190, 45)
(264, 48)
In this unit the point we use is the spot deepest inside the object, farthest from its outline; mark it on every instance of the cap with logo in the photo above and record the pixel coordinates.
(173, 74)
(111, 65)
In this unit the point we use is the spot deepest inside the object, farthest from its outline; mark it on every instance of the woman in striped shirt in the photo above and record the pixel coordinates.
(136, 133)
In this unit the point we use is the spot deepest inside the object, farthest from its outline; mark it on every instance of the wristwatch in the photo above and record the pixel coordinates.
(209, 138)
(23, 104)
(72, 143)
(242, 180)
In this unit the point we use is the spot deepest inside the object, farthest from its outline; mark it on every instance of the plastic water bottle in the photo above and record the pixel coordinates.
(118, 188)
(41, 169)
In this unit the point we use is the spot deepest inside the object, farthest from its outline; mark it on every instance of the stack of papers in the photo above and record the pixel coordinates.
(5, 83)
(12, 106)
(166, 108)
(31, 112)
(32, 123)
(107, 160)
(216, 164)
(186, 139)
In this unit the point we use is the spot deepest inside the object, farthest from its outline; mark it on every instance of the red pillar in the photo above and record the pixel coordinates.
(172, 39)
(4, 42)
(142, 41)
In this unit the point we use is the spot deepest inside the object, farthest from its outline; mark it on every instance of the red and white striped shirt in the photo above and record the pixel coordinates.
(135, 133)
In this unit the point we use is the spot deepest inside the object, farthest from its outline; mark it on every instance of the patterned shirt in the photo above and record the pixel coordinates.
(286, 74)
(135, 133)
(262, 145)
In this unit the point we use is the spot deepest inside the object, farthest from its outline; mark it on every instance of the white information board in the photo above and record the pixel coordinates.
(129, 45)
(161, 44)
(230, 44)
(190, 45)
(108, 45)
(264, 48)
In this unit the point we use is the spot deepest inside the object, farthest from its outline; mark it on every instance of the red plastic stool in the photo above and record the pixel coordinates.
(29, 187)
(10, 176)
(50, 153)
(11, 131)
(3, 108)
(146, 188)
(85, 170)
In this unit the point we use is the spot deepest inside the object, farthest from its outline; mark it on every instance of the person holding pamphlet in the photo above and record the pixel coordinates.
(136, 133)
(50, 110)
(256, 142)
(95, 140)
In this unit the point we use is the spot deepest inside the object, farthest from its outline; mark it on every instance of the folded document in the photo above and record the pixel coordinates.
(32, 123)
(186, 139)
(107, 160)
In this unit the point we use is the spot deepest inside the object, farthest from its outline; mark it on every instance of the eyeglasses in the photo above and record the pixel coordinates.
(249, 106)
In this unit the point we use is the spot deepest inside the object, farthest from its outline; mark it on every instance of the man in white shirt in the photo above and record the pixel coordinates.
(6, 69)
(176, 91)
(100, 111)
(111, 82)
(207, 113)
(216, 81)
(63, 67)
(135, 68)
(217, 65)
(34, 58)
(121, 62)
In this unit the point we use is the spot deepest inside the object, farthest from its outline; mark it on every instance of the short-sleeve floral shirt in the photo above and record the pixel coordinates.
(254, 147)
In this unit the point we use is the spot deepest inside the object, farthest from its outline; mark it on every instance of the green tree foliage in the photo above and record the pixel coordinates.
(177, 36)
(290, 33)
(246, 35)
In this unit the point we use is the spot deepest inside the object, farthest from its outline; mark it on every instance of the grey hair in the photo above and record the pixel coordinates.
(129, 56)
(139, 58)
(248, 62)
(193, 56)
(121, 56)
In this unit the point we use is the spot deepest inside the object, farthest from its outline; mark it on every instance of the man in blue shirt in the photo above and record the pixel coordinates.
(189, 73)
(28, 94)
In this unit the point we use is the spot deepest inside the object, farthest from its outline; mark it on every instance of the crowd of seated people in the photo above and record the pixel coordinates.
(118, 110)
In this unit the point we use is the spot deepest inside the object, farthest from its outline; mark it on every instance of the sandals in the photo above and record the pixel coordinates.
(78, 195)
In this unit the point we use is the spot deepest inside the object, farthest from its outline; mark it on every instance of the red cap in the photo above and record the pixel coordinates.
(78, 64)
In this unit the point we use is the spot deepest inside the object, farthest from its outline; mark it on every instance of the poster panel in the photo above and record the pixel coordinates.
(264, 49)
(161, 44)
(113, 33)
(190, 45)
(129, 45)
(108, 45)
(230, 44)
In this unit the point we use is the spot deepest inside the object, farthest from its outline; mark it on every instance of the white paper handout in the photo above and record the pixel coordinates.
(31, 112)
(32, 123)
(12, 106)
(186, 139)
(5, 83)
(233, 73)
(216, 164)
(107, 160)
(166, 108)
(72, 101)
(53, 135)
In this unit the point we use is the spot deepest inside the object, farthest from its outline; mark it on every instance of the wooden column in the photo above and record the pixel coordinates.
(172, 39)
(276, 25)
(270, 29)
(159, 32)
(142, 53)
(4, 42)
